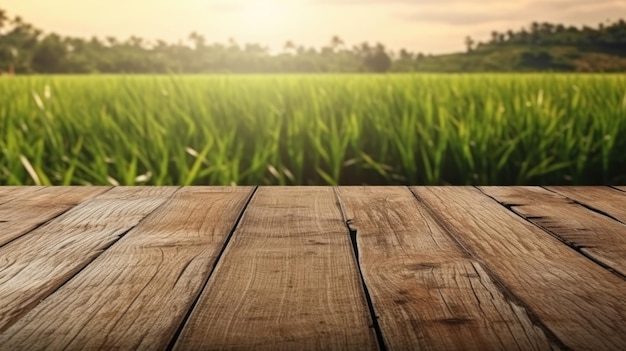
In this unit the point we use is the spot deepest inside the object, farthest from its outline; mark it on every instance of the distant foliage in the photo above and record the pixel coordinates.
(611, 37)
(26, 49)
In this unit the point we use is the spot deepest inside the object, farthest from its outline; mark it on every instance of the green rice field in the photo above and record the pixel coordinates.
(492, 129)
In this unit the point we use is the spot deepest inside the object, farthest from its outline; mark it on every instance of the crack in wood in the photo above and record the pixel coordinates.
(355, 248)
(590, 208)
(49, 220)
(211, 272)
(67, 279)
(537, 222)
(616, 188)
(498, 283)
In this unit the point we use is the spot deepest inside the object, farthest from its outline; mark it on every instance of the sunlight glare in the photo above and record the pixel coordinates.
(263, 14)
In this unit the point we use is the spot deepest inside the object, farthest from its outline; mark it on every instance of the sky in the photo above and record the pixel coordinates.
(427, 26)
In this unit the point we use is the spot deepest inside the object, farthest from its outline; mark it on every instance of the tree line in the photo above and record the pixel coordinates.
(25, 49)
(606, 37)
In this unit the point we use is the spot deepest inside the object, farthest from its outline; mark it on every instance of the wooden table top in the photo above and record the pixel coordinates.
(310, 268)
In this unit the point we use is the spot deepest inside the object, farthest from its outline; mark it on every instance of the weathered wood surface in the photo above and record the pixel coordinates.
(427, 291)
(137, 293)
(579, 301)
(25, 210)
(10, 193)
(598, 236)
(438, 268)
(609, 201)
(287, 281)
(35, 265)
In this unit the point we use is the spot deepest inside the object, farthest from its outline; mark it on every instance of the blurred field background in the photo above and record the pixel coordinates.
(497, 129)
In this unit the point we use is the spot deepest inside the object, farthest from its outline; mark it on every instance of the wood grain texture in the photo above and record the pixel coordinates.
(605, 199)
(579, 301)
(427, 292)
(35, 206)
(35, 265)
(10, 193)
(137, 293)
(288, 280)
(594, 234)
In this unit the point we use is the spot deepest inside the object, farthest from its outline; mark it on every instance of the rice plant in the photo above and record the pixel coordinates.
(313, 129)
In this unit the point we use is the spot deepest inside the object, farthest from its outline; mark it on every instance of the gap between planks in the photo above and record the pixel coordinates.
(579, 301)
(427, 291)
(620, 188)
(596, 236)
(24, 209)
(481, 279)
(604, 200)
(120, 299)
(37, 264)
(357, 257)
(287, 280)
(218, 258)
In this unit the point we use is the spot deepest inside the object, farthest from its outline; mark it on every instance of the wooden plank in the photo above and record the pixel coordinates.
(10, 193)
(597, 236)
(427, 292)
(34, 207)
(288, 280)
(605, 199)
(119, 300)
(579, 301)
(35, 265)
(622, 188)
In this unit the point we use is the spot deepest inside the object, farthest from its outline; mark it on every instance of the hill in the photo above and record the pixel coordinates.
(25, 49)
(541, 47)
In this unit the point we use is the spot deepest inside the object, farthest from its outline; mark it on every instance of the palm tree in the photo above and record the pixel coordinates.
(364, 49)
(510, 35)
(546, 27)
(494, 36)
(336, 42)
(135, 42)
(17, 21)
(232, 45)
(112, 41)
(289, 46)
(560, 28)
(405, 55)
(469, 43)
(524, 36)
(3, 19)
(198, 40)
(534, 27)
